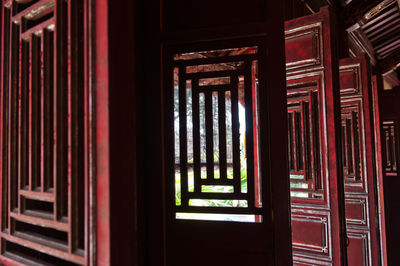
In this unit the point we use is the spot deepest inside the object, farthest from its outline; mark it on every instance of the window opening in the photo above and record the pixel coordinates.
(216, 135)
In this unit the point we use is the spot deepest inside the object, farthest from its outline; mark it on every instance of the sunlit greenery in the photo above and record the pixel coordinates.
(212, 189)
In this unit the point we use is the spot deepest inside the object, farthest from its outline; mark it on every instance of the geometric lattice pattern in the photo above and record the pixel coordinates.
(304, 142)
(389, 148)
(351, 148)
(42, 133)
(216, 132)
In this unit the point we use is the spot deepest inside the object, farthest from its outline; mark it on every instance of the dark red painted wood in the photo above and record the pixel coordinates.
(184, 242)
(377, 85)
(317, 194)
(390, 128)
(359, 161)
(47, 133)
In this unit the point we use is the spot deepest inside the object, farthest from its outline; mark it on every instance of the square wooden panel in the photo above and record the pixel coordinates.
(310, 234)
(304, 47)
(357, 211)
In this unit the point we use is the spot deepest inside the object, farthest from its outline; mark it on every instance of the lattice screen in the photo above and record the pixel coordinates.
(389, 148)
(43, 143)
(304, 141)
(351, 147)
(216, 135)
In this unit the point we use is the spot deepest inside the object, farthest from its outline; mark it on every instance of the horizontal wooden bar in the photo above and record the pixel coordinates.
(44, 249)
(220, 182)
(220, 88)
(39, 214)
(217, 196)
(222, 210)
(42, 239)
(40, 9)
(391, 174)
(45, 24)
(214, 74)
(215, 60)
(36, 195)
(40, 222)
(23, 1)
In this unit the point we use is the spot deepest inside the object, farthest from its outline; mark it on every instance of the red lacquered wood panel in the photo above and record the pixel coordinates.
(390, 123)
(316, 183)
(358, 161)
(46, 143)
(377, 85)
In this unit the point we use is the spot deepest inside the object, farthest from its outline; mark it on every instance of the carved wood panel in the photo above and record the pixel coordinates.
(390, 148)
(44, 201)
(358, 161)
(315, 183)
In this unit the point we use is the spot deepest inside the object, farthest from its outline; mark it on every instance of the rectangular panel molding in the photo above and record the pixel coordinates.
(315, 179)
(357, 155)
(390, 156)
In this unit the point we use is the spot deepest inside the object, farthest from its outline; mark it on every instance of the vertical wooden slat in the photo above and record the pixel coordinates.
(290, 141)
(61, 123)
(5, 115)
(249, 136)
(71, 186)
(182, 136)
(20, 116)
(393, 148)
(42, 114)
(48, 121)
(299, 137)
(357, 148)
(315, 139)
(306, 141)
(77, 124)
(30, 172)
(222, 136)
(209, 135)
(196, 136)
(235, 134)
(295, 145)
(89, 236)
(25, 115)
(14, 98)
(35, 115)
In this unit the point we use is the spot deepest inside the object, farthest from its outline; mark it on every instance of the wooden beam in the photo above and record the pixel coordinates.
(355, 11)
(315, 5)
(389, 62)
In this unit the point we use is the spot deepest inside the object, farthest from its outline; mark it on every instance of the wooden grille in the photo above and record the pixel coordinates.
(351, 153)
(216, 133)
(389, 148)
(304, 141)
(43, 147)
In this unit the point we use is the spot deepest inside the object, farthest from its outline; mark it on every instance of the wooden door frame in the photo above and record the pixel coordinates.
(116, 71)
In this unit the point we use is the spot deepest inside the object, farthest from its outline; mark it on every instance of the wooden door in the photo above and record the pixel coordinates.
(377, 85)
(215, 168)
(358, 161)
(390, 128)
(316, 186)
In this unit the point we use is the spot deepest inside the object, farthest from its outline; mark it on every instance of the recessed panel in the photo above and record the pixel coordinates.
(310, 233)
(356, 211)
(303, 47)
(358, 251)
(350, 80)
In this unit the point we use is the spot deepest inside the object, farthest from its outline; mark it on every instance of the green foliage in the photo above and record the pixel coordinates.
(213, 189)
